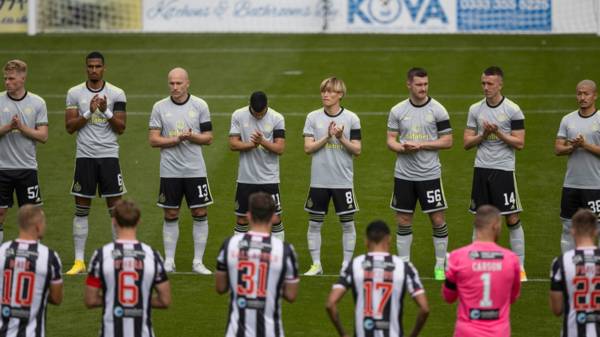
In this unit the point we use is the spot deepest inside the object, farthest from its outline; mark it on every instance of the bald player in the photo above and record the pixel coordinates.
(180, 125)
(579, 138)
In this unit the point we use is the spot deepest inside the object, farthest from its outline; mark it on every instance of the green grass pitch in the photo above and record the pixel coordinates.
(541, 73)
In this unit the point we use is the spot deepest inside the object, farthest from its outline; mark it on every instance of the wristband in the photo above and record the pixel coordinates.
(108, 114)
(87, 114)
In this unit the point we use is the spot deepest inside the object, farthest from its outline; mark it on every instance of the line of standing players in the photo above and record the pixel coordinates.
(180, 124)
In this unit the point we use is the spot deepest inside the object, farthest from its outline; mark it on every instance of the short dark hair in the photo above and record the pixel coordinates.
(377, 231)
(258, 101)
(126, 213)
(416, 72)
(493, 70)
(584, 222)
(485, 216)
(261, 206)
(95, 55)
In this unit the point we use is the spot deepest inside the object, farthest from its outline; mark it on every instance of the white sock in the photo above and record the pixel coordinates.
(277, 231)
(112, 228)
(348, 240)
(170, 237)
(566, 239)
(314, 241)
(200, 234)
(440, 244)
(404, 238)
(1, 232)
(517, 240)
(80, 234)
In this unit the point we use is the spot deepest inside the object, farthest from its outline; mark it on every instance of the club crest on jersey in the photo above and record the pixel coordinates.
(595, 127)
(429, 118)
(502, 117)
(28, 110)
(192, 113)
(179, 125)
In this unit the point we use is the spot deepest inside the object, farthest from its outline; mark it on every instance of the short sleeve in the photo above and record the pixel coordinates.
(222, 257)
(235, 128)
(442, 120)
(309, 128)
(204, 113)
(557, 282)
(160, 274)
(41, 117)
(95, 270)
(393, 123)
(155, 120)
(55, 268)
(120, 102)
(562, 129)
(280, 124)
(346, 279)
(291, 264)
(72, 102)
(355, 123)
(472, 120)
(413, 282)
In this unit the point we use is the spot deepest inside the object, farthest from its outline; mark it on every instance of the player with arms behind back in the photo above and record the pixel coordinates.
(575, 280)
(31, 278)
(379, 281)
(258, 269)
(123, 276)
(485, 278)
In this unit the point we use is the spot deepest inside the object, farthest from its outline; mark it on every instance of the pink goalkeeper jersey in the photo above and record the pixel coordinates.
(485, 279)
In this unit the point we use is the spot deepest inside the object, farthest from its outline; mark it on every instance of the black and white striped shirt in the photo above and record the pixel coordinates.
(28, 269)
(379, 282)
(257, 266)
(576, 274)
(127, 272)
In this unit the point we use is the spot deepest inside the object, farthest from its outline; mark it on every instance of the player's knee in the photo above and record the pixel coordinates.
(199, 212)
(171, 213)
(437, 219)
(513, 225)
(403, 218)
(82, 210)
(513, 220)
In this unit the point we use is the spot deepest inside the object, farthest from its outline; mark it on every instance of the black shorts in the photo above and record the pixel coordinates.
(196, 191)
(343, 200)
(24, 183)
(497, 188)
(104, 173)
(243, 191)
(430, 194)
(573, 199)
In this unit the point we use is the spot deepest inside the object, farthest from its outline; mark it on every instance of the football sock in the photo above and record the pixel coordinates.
(348, 236)
(241, 227)
(314, 237)
(404, 238)
(170, 236)
(80, 230)
(277, 231)
(200, 234)
(566, 239)
(517, 240)
(440, 244)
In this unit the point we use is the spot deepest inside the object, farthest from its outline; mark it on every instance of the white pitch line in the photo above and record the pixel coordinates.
(360, 113)
(397, 49)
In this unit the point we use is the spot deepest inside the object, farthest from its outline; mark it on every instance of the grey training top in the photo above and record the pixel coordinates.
(583, 167)
(493, 153)
(419, 123)
(183, 160)
(16, 150)
(331, 166)
(96, 139)
(258, 165)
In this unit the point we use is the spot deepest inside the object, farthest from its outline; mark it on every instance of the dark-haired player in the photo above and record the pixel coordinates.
(258, 269)
(127, 279)
(258, 133)
(379, 282)
(496, 126)
(96, 111)
(417, 128)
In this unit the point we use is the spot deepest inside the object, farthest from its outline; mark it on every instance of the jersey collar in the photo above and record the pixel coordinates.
(95, 90)
(582, 116)
(497, 105)
(182, 103)
(17, 99)
(337, 114)
(420, 105)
